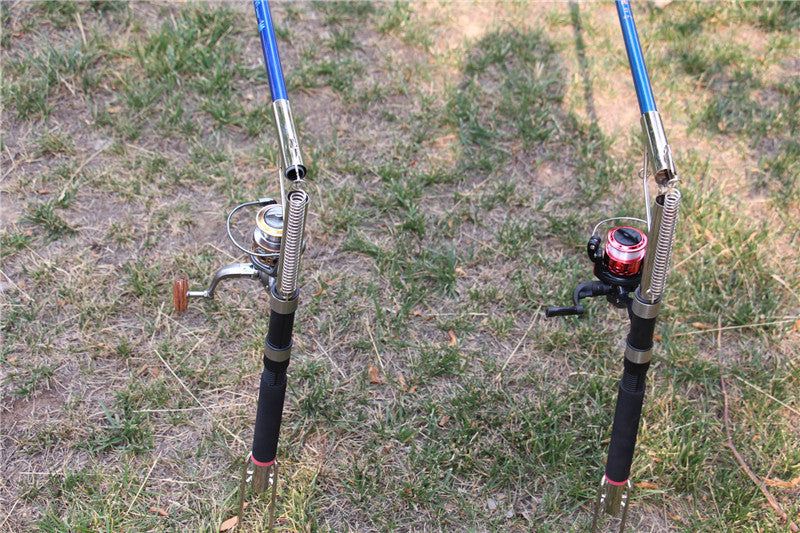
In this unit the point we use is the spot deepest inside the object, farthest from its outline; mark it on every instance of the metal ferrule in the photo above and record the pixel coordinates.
(637, 356)
(277, 356)
(281, 306)
(662, 166)
(291, 157)
(644, 309)
(614, 497)
(659, 252)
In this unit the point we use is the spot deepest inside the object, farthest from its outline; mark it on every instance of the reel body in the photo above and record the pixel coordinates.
(617, 266)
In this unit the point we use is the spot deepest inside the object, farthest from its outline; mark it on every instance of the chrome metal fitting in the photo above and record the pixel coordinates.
(657, 146)
(260, 476)
(281, 306)
(237, 270)
(277, 356)
(638, 356)
(644, 309)
(610, 498)
(291, 157)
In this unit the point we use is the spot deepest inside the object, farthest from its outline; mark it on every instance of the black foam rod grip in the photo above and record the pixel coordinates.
(623, 434)
(268, 416)
(279, 334)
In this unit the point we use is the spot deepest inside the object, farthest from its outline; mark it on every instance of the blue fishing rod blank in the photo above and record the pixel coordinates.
(641, 81)
(270, 47)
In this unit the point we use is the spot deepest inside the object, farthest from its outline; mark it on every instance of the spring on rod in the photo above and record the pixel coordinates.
(294, 227)
(663, 250)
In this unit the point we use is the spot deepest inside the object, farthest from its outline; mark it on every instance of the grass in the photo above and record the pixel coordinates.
(459, 155)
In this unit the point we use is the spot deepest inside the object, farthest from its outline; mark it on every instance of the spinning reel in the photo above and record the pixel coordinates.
(617, 266)
(264, 252)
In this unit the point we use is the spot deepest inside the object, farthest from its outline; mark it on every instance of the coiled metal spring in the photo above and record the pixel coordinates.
(292, 246)
(666, 238)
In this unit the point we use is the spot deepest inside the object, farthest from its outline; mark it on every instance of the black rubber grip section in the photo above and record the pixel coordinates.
(626, 422)
(641, 333)
(268, 417)
(279, 334)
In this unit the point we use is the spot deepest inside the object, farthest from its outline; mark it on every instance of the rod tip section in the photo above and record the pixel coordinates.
(180, 295)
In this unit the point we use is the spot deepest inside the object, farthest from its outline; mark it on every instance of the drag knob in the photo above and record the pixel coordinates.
(180, 295)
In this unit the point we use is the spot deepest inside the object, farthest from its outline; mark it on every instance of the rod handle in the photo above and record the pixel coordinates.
(271, 395)
(624, 431)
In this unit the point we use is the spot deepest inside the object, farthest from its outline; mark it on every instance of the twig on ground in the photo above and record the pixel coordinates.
(759, 483)
(524, 336)
(155, 461)
(206, 409)
(768, 395)
(743, 326)
(9, 513)
(375, 346)
(729, 443)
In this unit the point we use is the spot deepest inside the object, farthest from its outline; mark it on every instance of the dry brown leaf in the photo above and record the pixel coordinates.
(645, 485)
(444, 420)
(657, 337)
(402, 382)
(700, 325)
(412, 389)
(453, 340)
(229, 523)
(158, 510)
(460, 272)
(318, 292)
(374, 374)
(43, 191)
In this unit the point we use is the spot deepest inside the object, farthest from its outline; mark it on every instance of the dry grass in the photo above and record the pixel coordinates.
(460, 154)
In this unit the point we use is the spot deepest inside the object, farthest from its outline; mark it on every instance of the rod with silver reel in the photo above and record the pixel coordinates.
(278, 241)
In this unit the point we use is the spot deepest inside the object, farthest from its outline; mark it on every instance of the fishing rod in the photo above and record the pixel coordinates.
(631, 270)
(274, 260)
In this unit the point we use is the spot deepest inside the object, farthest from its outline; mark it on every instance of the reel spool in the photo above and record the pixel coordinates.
(267, 236)
(624, 251)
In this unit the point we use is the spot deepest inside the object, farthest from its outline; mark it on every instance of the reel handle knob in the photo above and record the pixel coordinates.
(180, 295)
(563, 311)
